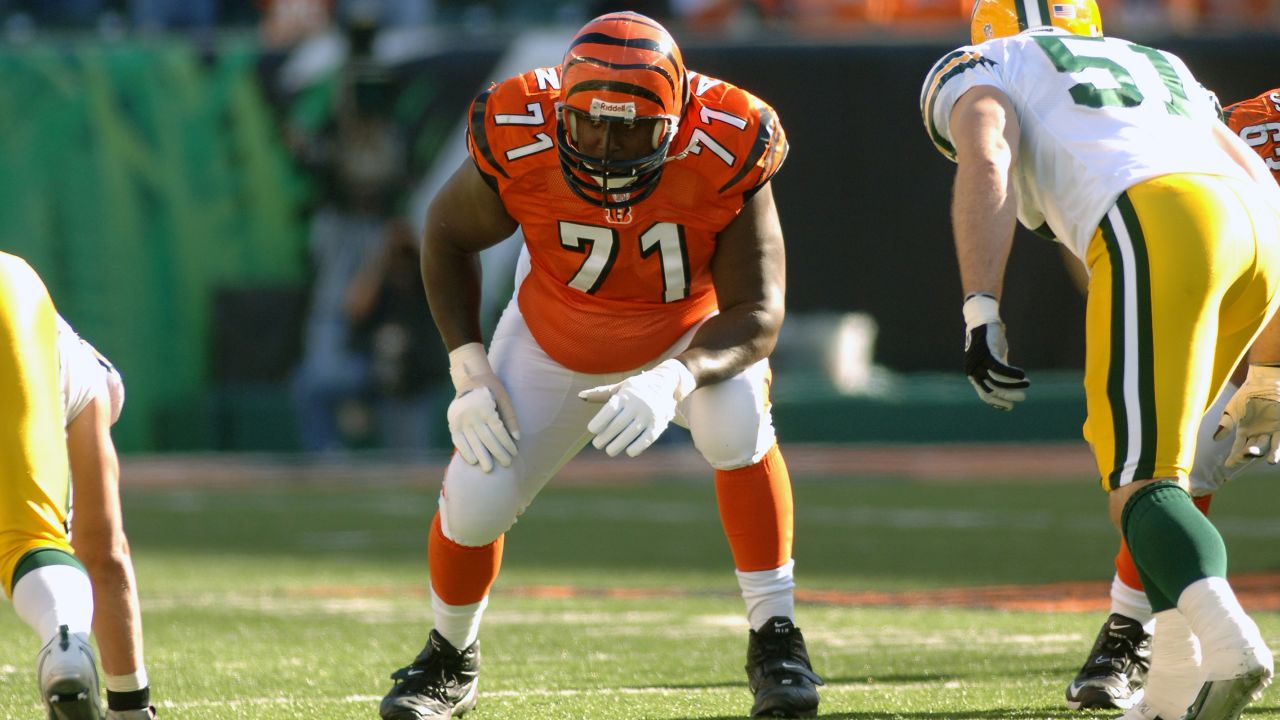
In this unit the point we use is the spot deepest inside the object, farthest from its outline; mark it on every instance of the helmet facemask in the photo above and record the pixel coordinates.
(612, 178)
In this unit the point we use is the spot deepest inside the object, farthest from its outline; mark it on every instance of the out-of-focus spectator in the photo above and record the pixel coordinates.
(1192, 15)
(358, 160)
(664, 11)
(285, 23)
(389, 13)
(393, 328)
(74, 14)
(828, 15)
(161, 15)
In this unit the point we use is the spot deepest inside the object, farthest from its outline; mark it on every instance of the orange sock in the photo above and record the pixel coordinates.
(755, 509)
(461, 575)
(1125, 568)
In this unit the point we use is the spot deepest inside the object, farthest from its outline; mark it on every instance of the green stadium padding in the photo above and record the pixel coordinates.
(926, 407)
(136, 177)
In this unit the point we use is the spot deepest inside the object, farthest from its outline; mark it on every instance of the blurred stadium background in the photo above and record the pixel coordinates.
(165, 166)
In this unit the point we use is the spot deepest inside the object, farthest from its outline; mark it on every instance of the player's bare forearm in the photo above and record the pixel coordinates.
(731, 342)
(749, 271)
(97, 535)
(465, 217)
(1266, 348)
(117, 621)
(983, 209)
(452, 283)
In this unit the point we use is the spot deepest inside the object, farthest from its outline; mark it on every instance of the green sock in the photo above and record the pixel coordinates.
(1172, 543)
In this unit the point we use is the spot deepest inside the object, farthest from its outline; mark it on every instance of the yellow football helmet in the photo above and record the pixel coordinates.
(1002, 18)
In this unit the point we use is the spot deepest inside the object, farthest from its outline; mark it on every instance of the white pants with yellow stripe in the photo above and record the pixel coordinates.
(34, 481)
(1184, 273)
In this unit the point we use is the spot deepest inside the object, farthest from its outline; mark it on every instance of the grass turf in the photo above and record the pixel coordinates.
(297, 602)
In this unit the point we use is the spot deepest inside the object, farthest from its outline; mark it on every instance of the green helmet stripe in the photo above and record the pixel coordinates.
(1023, 20)
(1046, 16)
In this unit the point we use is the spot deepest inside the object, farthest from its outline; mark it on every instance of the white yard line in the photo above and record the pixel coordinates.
(852, 687)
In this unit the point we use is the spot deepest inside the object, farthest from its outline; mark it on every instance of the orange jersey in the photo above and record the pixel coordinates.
(609, 289)
(1257, 121)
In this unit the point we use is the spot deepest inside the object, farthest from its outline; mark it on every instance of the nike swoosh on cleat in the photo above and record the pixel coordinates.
(1074, 689)
(1113, 625)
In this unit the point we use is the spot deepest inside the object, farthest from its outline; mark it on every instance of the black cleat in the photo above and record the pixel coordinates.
(438, 685)
(1116, 669)
(779, 673)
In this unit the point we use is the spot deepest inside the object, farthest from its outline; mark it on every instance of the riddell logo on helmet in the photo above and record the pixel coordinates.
(622, 110)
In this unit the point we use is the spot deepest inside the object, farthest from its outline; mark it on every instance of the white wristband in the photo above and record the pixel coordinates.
(1263, 375)
(685, 382)
(980, 309)
(468, 361)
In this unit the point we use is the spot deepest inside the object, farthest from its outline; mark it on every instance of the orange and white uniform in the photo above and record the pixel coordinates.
(603, 293)
(1257, 122)
(610, 289)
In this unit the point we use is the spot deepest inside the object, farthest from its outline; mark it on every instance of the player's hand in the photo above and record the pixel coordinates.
(482, 420)
(1253, 414)
(986, 351)
(637, 410)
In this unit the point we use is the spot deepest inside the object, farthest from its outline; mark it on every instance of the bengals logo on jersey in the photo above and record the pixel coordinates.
(618, 215)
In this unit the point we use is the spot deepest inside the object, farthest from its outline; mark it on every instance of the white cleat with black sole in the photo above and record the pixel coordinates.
(68, 676)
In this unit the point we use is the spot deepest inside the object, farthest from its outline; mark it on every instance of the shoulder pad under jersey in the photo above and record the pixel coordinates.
(736, 136)
(511, 125)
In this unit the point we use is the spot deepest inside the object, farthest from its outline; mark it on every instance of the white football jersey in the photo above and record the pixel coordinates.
(84, 373)
(1098, 116)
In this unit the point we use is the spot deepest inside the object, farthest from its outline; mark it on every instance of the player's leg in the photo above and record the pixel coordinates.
(1155, 358)
(732, 427)
(1115, 670)
(475, 511)
(49, 588)
(1237, 663)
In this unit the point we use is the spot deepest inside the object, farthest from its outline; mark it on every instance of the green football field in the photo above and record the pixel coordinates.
(296, 600)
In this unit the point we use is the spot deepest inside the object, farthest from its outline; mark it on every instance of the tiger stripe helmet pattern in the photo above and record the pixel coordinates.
(1003, 18)
(619, 68)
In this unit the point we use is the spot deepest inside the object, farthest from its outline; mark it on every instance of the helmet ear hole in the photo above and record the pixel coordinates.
(657, 135)
(573, 125)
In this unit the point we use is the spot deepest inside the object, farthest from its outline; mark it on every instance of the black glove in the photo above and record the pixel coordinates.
(997, 383)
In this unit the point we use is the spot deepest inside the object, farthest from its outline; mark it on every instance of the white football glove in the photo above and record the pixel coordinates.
(637, 410)
(482, 420)
(986, 351)
(1253, 413)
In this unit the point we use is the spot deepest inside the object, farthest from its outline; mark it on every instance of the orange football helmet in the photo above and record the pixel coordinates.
(621, 69)
(1002, 18)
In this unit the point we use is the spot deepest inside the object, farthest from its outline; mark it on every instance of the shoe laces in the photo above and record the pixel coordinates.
(431, 674)
(781, 653)
(1118, 652)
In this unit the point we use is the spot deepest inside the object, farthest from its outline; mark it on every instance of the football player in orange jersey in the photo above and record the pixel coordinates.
(649, 290)
(1257, 121)
(1115, 670)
